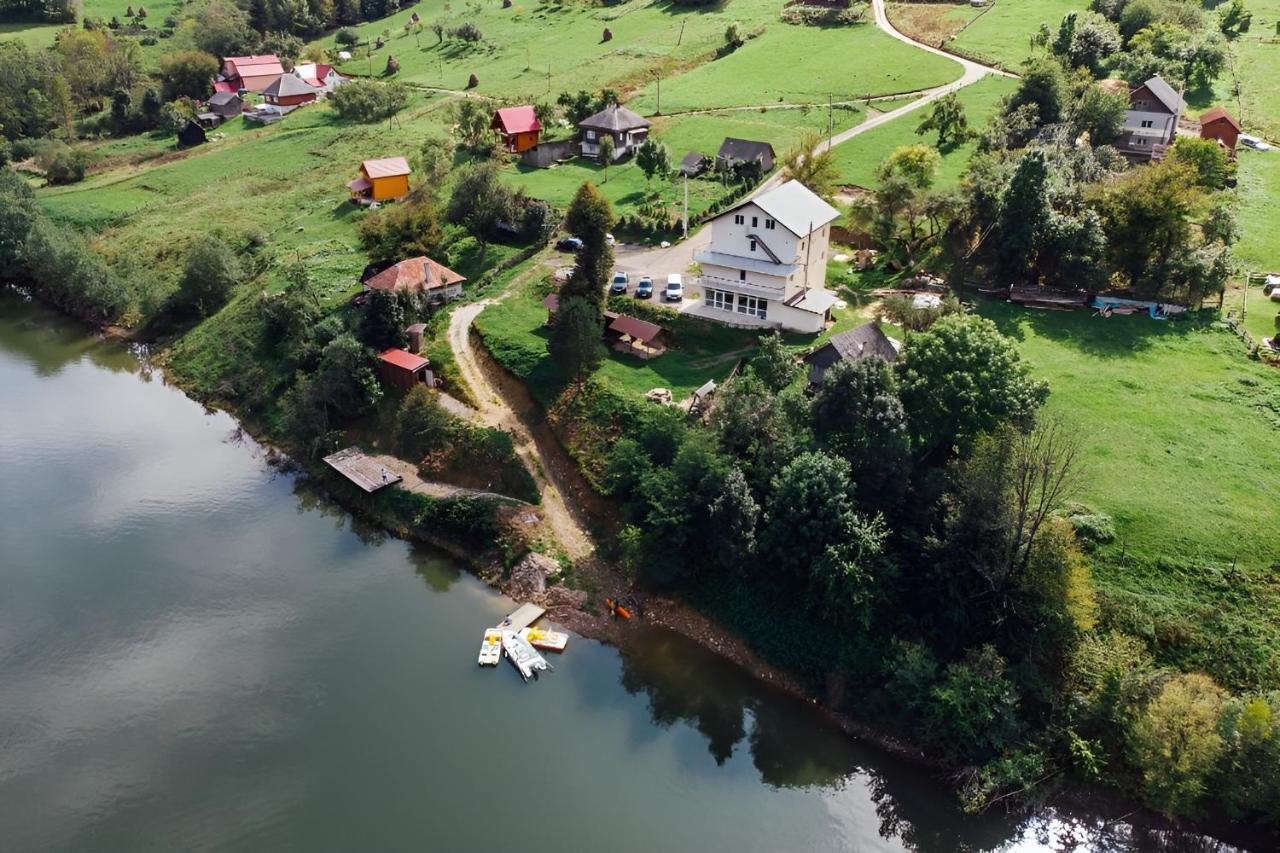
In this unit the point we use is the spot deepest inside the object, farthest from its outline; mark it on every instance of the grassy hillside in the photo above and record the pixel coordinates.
(626, 186)
(1179, 433)
(840, 62)
(859, 157)
(1001, 34)
(283, 183)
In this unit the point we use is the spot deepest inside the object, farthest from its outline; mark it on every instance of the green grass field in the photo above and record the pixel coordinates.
(840, 62)
(515, 331)
(1001, 35)
(1257, 64)
(626, 186)
(285, 182)
(1178, 427)
(535, 51)
(1178, 431)
(858, 158)
(36, 34)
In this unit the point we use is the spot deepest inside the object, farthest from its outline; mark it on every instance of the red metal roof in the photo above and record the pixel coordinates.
(404, 360)
(640, 330)
(516, 120)
(225, 86)
(418, 273)
(242, 62)
(1216, 114)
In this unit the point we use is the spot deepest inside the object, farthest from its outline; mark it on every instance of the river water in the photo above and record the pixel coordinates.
(198, 653)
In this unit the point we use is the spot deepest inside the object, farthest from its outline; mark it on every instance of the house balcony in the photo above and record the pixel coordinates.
(746, 288)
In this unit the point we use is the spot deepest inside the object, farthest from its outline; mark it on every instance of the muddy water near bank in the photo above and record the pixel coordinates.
(198, 652)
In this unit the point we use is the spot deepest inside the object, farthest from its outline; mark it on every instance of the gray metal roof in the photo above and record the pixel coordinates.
(220, 98)
(286, 85)
(615, 119)
(1165, 94)
(745, 150)
(794, 205)
(862, 342)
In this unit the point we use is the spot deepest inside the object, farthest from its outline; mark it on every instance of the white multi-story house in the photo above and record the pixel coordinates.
(767, 262)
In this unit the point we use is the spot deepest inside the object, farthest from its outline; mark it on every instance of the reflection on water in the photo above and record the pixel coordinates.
(198, 651)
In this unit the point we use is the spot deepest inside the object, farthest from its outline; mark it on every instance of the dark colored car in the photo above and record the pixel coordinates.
(644, 288)
(568, 244)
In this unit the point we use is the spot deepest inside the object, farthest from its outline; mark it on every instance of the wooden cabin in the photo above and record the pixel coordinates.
(289, 91)
(1221, 126)
(402, 369)
(518, 128)
(381, 180)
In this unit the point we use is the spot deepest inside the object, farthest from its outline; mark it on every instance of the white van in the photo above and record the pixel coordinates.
(675, 288)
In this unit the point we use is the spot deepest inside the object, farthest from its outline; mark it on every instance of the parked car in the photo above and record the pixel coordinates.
(675, 288)
(619, 283)
(644, 288)
(608, 238)
(568, 244)
(1253, 142)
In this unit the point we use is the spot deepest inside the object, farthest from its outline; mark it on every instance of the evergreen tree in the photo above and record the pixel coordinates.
(576, 343)
(1024, 216)
(589, 218)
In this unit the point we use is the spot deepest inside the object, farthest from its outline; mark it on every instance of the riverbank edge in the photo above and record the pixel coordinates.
(1105, 804)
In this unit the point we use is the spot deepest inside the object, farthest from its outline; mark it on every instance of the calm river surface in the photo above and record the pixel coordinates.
(196, 653)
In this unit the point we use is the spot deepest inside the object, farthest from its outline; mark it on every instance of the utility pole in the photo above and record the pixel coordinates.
(548, 78)
(658, 74)
(830, 121)
(808, 250)
(683, 21)
(685, 220)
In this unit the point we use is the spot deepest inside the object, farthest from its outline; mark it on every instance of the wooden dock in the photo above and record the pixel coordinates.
(522, 617)
(364, 471)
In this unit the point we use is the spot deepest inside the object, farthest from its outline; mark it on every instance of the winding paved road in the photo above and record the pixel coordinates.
(660, 262)
(566, 521)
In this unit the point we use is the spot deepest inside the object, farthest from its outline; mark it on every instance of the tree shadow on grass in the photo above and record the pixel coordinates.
(1099, 336)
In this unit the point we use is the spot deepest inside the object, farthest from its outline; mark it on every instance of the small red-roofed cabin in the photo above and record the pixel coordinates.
(1220, 125)
(517, 127)
(403, 369)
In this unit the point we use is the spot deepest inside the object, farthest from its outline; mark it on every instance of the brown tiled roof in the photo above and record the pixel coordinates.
(420, 273)
(1218, 113)
(640, 330)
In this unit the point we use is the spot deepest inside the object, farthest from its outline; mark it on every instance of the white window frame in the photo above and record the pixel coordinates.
(721, 300)
(591, 136)
(753, 306)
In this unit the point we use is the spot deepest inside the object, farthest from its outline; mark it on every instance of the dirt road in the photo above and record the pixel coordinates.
(530, 444)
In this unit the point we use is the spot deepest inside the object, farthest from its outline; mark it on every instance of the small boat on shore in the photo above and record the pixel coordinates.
(544, 639)
(523, 656)
(491, 648)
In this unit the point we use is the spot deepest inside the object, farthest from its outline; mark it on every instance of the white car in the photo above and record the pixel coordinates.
(674, 291)
(1254, 142)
